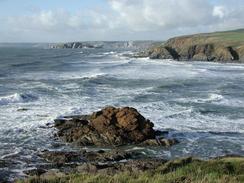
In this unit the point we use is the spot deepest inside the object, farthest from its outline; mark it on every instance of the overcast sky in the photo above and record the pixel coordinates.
(89, 20)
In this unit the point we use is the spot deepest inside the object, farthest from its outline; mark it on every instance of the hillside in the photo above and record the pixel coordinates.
(225, 46)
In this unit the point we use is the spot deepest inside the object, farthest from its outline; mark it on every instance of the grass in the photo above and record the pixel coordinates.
(229, 38)
(226, 170)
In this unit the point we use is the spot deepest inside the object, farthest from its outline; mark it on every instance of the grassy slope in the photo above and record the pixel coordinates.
(229, 38)
(226, 170)
(232, 36)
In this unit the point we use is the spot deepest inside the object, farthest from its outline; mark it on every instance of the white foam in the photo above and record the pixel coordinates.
(10, 154)
(85, 76)
(63, 76)
(17, 98)
(109, 53)
(212, 97)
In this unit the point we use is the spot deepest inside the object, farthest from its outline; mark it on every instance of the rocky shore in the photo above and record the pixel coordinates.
(183, 170)
(110, 131)
(214, 47)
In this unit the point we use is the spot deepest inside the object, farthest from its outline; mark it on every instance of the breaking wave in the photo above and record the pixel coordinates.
(17, 98)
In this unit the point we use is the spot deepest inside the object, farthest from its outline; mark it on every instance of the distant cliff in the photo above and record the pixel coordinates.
(103, 44)
(217, 47)
(75, 45)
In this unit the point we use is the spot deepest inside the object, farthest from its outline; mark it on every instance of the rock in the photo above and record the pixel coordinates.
(160, 142)
(109, 156)
(240, 51)
(89, 162)
(34, 172)
(129, 166)
(200, 57)
(60, 157)
(223, 54)
(141, 165)
(4, 176)
(205, 52)
(22, 109)
(88, 156)
(52, 173)
(160, 53)
(87, 167)
(109, 126)
(4, 163)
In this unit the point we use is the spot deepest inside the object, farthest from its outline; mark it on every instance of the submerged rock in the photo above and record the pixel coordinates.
(109, 126)
(3, 163)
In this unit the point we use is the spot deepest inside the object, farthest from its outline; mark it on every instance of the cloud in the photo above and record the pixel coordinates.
(58, 20)
(150, 15)
(125, 19)
(219, 11)
(55, 25)
(143, 15)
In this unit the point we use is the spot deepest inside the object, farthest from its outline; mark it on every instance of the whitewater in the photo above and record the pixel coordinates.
(200, 103)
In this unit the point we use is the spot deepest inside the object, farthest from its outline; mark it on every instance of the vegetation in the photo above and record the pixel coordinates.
(236, 36)
(223, 170)
(229, 38)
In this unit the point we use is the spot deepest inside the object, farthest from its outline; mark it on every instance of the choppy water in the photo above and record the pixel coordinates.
(201, 103)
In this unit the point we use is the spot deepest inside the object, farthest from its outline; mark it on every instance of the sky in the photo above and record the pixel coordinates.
(107, 20)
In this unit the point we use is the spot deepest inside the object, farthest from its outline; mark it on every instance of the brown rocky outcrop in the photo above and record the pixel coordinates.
(240, 51)
(205, 52)
(109, 126)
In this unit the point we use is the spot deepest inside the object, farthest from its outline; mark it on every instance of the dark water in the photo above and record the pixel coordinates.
(201, 103)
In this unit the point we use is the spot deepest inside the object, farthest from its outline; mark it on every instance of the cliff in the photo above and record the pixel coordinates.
(218, 47)
(139, 45)
(75, 45)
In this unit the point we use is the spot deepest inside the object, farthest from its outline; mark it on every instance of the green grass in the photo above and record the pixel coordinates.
(230, 38)
(227, 170)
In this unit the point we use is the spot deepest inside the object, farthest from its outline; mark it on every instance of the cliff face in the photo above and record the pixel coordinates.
(219, 47)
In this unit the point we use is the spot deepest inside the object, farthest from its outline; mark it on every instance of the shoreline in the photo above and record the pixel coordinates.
(224, 47)
(222, 169)
(116, 163)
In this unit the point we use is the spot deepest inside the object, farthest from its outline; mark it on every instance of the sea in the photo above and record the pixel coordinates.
(200, 103)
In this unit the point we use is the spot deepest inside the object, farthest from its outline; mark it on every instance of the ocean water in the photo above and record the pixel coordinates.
(201, 104)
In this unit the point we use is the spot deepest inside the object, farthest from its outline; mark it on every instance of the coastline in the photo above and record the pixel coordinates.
(223, 47)
(221, 169)
(112, 162)
(221, 138)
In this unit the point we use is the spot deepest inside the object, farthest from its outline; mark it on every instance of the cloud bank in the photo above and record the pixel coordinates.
(124, 19)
